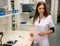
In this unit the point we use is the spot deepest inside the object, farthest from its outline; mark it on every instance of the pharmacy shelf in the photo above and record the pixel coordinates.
(28, 23)
(7, 15)
(27, 3)
(23, 16)
(6, 22)
(26, 13)
(25, 27)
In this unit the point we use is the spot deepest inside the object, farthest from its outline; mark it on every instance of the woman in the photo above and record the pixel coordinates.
(44, 22)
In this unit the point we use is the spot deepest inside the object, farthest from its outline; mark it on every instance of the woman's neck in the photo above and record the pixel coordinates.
(41, 16)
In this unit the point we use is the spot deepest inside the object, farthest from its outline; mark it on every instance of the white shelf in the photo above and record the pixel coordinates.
(25, 13)
(26, 24)
(23, 16)
(5, 15)
(27, 3)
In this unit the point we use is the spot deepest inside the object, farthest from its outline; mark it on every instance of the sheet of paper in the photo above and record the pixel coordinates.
(35, 31)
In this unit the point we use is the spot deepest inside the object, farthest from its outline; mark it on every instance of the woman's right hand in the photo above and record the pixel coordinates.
(31, 35)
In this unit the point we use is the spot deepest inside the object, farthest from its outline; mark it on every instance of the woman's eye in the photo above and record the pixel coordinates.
(41, 8)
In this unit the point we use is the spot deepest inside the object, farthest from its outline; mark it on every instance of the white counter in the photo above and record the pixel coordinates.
(25, 38)
(23, 42)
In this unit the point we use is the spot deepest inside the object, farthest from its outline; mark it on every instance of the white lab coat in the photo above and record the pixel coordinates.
(44, 25)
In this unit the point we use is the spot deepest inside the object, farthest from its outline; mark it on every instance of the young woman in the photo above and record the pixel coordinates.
(44, 22)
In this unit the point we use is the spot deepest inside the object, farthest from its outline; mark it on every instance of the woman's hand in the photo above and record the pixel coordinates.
(31, 35)
(42, 33)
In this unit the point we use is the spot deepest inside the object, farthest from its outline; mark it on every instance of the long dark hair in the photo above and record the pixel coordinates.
(37, 13)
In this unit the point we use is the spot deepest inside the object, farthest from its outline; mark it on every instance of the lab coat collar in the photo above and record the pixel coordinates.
(42, 18)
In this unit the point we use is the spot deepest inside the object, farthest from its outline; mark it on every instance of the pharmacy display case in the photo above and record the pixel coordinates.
(26, 9)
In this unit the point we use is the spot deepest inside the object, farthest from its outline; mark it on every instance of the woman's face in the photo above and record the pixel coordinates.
(41, 9)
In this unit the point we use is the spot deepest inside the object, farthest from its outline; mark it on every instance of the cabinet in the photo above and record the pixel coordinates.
(27, 9)
(5, 23)
(25, 18)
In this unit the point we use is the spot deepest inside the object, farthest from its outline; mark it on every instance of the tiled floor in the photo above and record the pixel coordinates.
(55, 37)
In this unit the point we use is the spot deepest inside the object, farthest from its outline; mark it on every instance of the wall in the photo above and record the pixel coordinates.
(3, 3)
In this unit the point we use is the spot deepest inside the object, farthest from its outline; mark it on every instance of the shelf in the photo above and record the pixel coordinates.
(8, 15)
(26, 24)
(27, 3)
(25, 27)
(5, 15)
(25, 13)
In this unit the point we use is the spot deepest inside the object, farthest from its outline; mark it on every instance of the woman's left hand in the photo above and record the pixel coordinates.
(42, 33)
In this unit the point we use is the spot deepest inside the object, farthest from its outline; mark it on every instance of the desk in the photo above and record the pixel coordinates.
(23, 42)
(15, 35)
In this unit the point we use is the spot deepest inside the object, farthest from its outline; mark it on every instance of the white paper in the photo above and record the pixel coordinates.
(35, 30)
